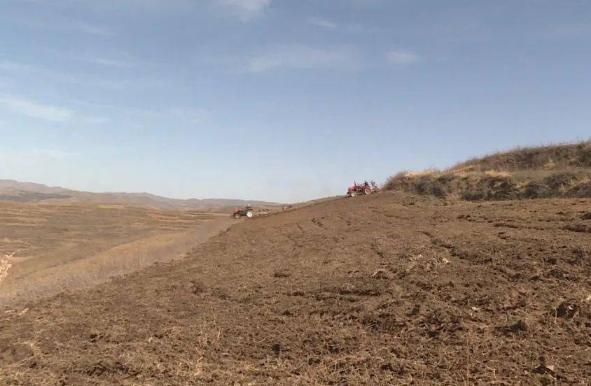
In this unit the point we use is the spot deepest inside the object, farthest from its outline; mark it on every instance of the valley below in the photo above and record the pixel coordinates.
(49, 248)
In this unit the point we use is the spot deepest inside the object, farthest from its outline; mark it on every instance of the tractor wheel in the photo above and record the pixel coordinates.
(237, 216)
(367, 190)
(353, 194)
(250, 214)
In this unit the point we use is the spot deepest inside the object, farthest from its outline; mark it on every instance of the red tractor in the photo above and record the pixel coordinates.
(362, 189)
(247, 212)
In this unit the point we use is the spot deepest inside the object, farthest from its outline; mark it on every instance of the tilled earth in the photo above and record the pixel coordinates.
(378, 290)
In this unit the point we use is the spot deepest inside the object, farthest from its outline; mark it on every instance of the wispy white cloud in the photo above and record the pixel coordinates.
(63, 26)
(53, 154)
(193, 115)
(183, 115)
(245, 9)
(93, 120)
(84, 81)
(48, 113)
(7, 65)
(180, 114)
(24, 158)
(323, 23)
(303, 57)
(108, 62)
(36, 110)
(90, 29)
(402, 58)
(47, 74)
(362, 29)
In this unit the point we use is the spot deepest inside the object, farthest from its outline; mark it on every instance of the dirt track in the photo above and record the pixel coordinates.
(381, 290)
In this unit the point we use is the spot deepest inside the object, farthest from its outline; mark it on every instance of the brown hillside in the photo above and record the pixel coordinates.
(377, 290)
(26, 192)
(539, 172)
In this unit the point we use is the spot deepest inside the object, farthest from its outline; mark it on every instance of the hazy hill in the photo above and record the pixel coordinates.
(30, 192)
(535, 172)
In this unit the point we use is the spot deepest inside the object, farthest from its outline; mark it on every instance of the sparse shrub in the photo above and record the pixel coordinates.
(581, 189)
(585, 158)
(535, 189)
(560, 181)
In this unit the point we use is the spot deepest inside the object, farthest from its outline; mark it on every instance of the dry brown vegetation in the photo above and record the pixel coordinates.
(537, 172)
(45, 249)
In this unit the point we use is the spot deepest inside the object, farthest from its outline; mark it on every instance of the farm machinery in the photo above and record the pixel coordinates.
(247, 212)
(362, 189)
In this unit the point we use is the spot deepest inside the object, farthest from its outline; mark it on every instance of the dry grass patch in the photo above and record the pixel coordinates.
(5, 265)
(540, 172)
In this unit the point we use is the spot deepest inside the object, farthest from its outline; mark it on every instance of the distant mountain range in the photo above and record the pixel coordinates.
(30, 192)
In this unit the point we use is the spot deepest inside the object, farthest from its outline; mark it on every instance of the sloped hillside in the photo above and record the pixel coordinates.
(540, 172)
(377, 290)
(27, 192)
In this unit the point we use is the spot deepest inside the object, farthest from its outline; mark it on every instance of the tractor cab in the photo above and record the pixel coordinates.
(247, 212)
(362, 189)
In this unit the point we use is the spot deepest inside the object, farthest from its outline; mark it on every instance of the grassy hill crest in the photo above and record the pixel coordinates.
(533, 172)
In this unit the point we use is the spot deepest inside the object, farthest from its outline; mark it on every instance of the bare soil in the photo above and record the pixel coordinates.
(377, 290)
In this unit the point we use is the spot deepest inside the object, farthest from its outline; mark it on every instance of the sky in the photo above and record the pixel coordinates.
(281, 100)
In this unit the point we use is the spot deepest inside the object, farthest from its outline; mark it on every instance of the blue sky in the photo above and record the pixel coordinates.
(281, 100)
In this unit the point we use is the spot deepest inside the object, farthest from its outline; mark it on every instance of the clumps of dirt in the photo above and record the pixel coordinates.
(382, 274)
(196, 286)
(96, 336)
(548, 373)
(572, 308)
(17, 353)
(280, 274)
(384, 322)
(518, 327)
(578, 256)
(580, 228)
(586, 216)
(441, 320)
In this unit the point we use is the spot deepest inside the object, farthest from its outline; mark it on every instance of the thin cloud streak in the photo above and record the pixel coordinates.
(107, 62)
(31, 156)
(47, 74)
(303, 58)
(323, 23)
(49, 113)
(64, 26)
(35, 110)
(402, 58)
(7, 65)
(245, 9)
